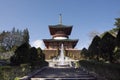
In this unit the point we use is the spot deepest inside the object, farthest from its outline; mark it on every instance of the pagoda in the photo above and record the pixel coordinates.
(60, 35)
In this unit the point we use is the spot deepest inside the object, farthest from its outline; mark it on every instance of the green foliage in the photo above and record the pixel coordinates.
(21, 55)
(117, 23)
(84, 53)
(118, 39)
(94, 48)
(2, 49)
(107, 46)
(117, 54)
(106, 71)
(26, 35)
(33, 56)
(102, 48)
(41, 54)
(25, 54)
(13, 72)
(11, 39)
(3, 73)
(16, 78)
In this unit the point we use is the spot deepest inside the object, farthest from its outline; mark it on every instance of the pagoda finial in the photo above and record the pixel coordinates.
(60, 18)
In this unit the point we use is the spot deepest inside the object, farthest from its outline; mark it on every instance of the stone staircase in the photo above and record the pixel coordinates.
(62, 74)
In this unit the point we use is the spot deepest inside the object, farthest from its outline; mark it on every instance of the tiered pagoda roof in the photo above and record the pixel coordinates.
(60, 29)
(73, 42)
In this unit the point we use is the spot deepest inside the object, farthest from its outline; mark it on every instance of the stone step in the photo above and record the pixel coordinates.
(49, 73)
(63, 74)
(63, 79)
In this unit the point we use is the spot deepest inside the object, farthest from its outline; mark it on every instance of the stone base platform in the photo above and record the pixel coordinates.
(68, 63)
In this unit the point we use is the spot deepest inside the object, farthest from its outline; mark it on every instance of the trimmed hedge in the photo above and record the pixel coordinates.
(108, 71)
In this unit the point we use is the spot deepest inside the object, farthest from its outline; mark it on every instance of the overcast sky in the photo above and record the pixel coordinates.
(85, 16)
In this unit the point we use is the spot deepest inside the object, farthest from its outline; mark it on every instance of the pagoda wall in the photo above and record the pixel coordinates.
(72, 53)
(56, 45)
(49, 54)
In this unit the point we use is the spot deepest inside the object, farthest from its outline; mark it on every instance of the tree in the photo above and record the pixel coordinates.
(107, 46)
(33, 56)
(13, 30)
(94, 48)
(117, 49)
(41, 54)
(21, 55)
(118, 39)
(14, 38)
(41, 57)
(84, 53)
(117, 23)
(26, 35)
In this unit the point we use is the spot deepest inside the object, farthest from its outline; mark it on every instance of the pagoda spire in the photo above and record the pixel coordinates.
(60, 18)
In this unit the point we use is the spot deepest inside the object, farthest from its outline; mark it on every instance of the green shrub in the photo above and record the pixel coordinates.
(13, 72)
(106, 70)
(16, 78)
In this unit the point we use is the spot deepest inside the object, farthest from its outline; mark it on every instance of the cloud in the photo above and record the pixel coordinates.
(38, 43)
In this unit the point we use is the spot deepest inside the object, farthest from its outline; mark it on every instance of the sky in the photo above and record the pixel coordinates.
(86, 16)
